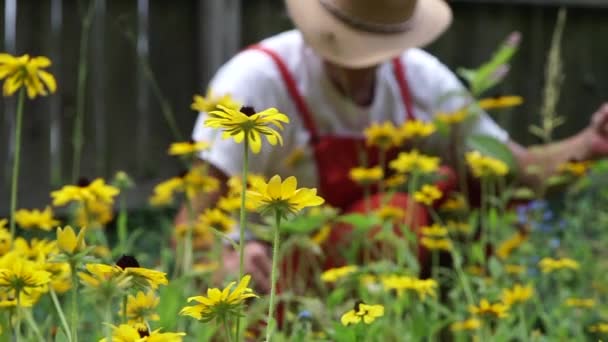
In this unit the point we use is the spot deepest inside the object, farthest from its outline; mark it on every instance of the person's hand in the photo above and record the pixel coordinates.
(257, 263)
(597, 133)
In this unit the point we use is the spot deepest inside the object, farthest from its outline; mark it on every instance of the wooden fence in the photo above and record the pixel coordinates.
(185, 41)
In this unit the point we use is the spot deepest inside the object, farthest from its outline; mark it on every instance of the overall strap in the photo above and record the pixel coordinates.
(400, 75)
(292, 89)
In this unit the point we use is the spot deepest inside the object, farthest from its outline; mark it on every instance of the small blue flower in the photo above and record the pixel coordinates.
(305, 315)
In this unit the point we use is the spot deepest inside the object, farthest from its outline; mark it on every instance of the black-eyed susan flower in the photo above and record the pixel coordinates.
(142, 307)
(453, 117)
(599, 328)
(366, 176)
(104, 280)
(517, 294)
(389, 213)
(94, 214)
(295, 157)
(428, 194)
(229, 203)
(68, 242)
(85, 191)
(484, 166)
(395, 181)
(319, 237)
(436, 231)
(220, 303)
(34, 249)
(575, 168)
(515, 269)
(164, 191)
(142, 278)
(6, 240)
(416, 129)
(211, 101)
(41, 219)
(500, 102)
(247, 125)
(283, 197)
(61, 281)
(508, 246)
(436, 244)
(198, 181)
(217, 219)
(400, 284)
(21, 275)
(454, 203)
(470, 324)
(384, 135)
(130, 333)
(459, 227)
(413, 161)
(334, 274)
(8, 299)
(235, 183)
(188, 147)
(486, 309)
(362, 312)
(27, 72)
(548, 265)
(583, 303)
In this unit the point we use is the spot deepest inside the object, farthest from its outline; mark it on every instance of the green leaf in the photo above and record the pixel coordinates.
(360, 221)
(492, 147)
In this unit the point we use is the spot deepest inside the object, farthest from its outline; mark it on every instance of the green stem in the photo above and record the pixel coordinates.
(227, 329)
(522, 323)
(188, 252)
(122, 225)
(16, 160)
(273, 276)
(18, 316)
(108, 321)
(74, 311)
(64, 322)
(78, 132)
(243, 221)
(483, 233)
(33, 325)
(124, 309)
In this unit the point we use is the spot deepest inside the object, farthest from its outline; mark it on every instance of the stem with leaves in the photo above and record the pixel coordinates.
(243, 220)
(273, 275)
(16, 160)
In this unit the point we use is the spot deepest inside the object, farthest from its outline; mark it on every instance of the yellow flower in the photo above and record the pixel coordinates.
(392, 214)
(515, 269)
(576, 169)
(22, 275)
(466, 325)
(414, 162)
(428, 195)
(163, 192)
(35, 249)
(365, 176)
(321, 236)
(3, 223)
(454, 203)
(436, 244)
(586, 303)
(435, 230)
(484, 166)
(517, 294)
(229, 204)
(599, 328)
(218, 302)
(142, 307)
(205, 267)
(362, 312)
(247, 124)
(548, 265)
(141, 277)
(395, 181)
(416, 129)
(235, 183)
(68, 242)
(8, 300)
(383, 135)
(422, 287)
(94, 214)
(500, 102)
(129, 333)
(85, 191)
(36, 219)
(294, 158)
(61, 273)
(101, 276)
(497, 310)
(459, 227)
(282, 196)
(216, 219)
(452, 118)
(211, 102)
(188, 147)
(6, 240)
(506, 248)
(197, 181)
(334, 274)
(26, 72)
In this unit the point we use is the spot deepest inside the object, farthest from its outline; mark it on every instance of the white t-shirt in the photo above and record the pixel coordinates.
(252, 78)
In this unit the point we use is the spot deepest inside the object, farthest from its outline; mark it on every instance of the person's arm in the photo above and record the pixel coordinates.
(536, 163)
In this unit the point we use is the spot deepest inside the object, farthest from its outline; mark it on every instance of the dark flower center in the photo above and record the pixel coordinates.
(83, 182)
(127, 261)
(247, 110)
(357, 307)
(143, 332)
(182, 174)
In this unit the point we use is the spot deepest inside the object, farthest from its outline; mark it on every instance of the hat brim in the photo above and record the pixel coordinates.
(344, 45)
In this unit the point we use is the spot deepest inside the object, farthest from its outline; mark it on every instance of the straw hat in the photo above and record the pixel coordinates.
(362, 33)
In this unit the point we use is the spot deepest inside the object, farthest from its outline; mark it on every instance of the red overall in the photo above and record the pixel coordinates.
(335, 156)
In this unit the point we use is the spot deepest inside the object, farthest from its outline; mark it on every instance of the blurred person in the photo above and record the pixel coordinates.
(350, 63)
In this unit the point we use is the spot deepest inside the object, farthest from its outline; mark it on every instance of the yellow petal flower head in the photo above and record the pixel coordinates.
(247, 124)
(507, 247)
(34, 249)
(229, 204)
(484, 166)
(515, 269)
(362, 313)
(94, 214)
(392, 214)
(142, 278)
(574, 168)
(198, 181)
(459, 227)
(283, 197)
(454, 203)
(235, 183)
(164, 192)
(500, 102)
(142, 307)
(3, 223)
(548, 265)
(68, 242)
(220, 303)
(517, 294)
(416, 129)
(496, 310)
(452, 118)
(216, 219)
(334, 274)
(436, 244)
(599, 328)
(85, 191)
(6, 240)
(466, 325)
(321, 235)
(43, 220)
(395, 181)
(435, 230)
(21, 275)
(211, 102)
(8, 299)
(584, 303)
(384, 136)
(413, 161)
(188, 148)
(428, 194)
(101, 277)
(365, 176)
(26, 71)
